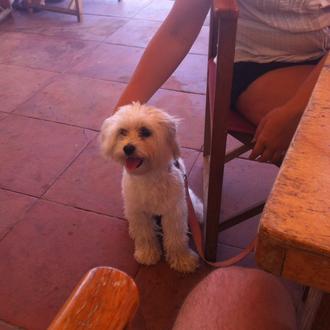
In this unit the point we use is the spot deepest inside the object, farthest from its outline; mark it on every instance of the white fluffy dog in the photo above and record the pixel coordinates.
(143, 139)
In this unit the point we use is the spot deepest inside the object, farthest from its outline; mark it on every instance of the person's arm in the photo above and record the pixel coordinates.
(276, 129)
(166, 50)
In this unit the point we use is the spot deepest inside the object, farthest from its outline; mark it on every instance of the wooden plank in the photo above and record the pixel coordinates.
(106, 298)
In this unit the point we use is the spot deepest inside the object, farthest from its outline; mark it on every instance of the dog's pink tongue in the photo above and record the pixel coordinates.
(132, 163)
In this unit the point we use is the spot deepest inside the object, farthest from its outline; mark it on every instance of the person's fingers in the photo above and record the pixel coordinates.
(258, 130)
(257, 150)
(278, 157)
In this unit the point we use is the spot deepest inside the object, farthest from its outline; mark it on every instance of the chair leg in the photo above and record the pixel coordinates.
(78, 9)
(212, 174)
(211, 238)
(207, 130)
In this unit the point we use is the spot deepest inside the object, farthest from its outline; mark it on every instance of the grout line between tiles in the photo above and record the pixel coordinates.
(42, 198)
(19, 220)
(42, 86)
(77, 74)
(83, 209)
(44, 34)
(230, 245)
(195, 161)
(28, 67)
(18, 192)
(67, 167)
(53, 121)
(41, 36)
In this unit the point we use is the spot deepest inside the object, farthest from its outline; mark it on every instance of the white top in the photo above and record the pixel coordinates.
(282, 30)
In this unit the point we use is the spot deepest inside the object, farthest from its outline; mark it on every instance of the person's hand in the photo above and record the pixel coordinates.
(274, 134)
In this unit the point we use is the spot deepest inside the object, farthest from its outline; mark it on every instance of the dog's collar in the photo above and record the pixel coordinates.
(176, 164)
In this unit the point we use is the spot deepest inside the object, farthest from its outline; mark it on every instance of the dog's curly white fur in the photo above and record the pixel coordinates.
(143, 139)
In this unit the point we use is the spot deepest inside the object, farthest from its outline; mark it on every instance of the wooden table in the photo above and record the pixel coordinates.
(294, 232)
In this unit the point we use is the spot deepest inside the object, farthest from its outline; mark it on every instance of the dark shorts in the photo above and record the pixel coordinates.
(247, 72)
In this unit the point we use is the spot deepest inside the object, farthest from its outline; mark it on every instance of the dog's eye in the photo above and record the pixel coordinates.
(122, 132)
(144, 132)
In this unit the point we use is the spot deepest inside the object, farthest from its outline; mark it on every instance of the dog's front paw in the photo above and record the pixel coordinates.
(147, 255)
(185, 261)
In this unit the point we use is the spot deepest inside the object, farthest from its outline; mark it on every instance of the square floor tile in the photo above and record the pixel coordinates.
(23, 21)
(42, 52)
(19, 84)
(190, 76)
(245, 183)
(34, 152)
(127, 8)
(134, 33)
(13, 207)
(46, 255)
(96, 28)
(201, 44)
(93, 183)
(65, 26)
(196, 174)
(189, 108)
(110, 62)
(92, 27)
(74, 100)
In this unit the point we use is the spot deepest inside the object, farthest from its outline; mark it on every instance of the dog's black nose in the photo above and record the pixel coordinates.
(129, 149)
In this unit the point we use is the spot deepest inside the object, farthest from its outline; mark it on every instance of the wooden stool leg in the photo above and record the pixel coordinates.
(106, 298)
(78, 8)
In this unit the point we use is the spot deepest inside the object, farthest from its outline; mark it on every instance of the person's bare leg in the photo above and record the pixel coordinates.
(274, 103)
(237, 298)
(271, 90)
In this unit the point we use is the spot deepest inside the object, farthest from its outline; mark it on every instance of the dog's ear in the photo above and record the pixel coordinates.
(171, 124)
(107, 136)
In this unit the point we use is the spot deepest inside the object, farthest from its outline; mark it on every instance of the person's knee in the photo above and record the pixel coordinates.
(237, 298)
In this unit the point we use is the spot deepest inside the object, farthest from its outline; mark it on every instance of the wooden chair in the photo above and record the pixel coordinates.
(220, 121)
(5, 9)
(105, 298)
(74, 7)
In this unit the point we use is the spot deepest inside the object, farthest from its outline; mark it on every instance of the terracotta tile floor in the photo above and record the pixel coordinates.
(60, 204)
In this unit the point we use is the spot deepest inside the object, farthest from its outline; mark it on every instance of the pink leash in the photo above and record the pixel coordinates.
(198, 240)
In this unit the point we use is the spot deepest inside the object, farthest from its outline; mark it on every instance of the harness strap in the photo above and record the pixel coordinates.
(198, 240)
